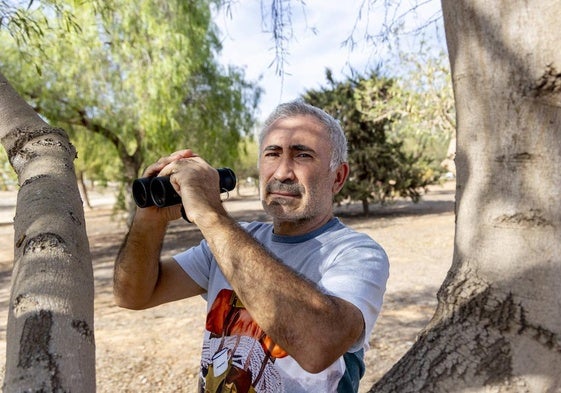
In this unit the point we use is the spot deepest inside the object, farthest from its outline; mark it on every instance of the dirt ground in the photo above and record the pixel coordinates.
(158, 350)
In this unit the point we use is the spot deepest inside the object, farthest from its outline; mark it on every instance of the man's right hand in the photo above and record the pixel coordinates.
(166, 214)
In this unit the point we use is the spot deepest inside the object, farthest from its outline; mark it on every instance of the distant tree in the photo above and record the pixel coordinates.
(421, 102)
(381, 169)
(247, 171)
(142, 75)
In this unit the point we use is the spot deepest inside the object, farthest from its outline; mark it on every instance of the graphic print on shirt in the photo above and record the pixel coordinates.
(237, 354)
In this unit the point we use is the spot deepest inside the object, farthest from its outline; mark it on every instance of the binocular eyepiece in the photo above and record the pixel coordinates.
(158, 191)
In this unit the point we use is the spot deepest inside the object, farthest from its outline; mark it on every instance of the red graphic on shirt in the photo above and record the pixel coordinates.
(228, 317)
(238, 356)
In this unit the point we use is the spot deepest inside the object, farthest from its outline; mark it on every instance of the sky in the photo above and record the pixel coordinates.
(318, 33)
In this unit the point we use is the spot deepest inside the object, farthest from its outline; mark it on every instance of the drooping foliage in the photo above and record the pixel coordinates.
(20, 19)
(421, 102)
(142, 75)
(381, 168)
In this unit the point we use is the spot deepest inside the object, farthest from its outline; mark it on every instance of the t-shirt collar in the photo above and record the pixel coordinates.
(306, 236)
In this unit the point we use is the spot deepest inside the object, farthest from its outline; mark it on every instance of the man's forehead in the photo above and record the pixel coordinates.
(302, 126)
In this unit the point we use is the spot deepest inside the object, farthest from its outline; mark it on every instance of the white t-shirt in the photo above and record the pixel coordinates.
(341, 261)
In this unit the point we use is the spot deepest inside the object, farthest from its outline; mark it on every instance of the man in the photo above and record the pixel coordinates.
(291, 304)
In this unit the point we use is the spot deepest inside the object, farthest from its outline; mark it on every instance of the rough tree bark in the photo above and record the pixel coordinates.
(497, 327)
(50, 334)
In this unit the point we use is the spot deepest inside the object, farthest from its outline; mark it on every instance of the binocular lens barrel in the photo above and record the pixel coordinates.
(162, 192)
(141, 192)
(150, 191)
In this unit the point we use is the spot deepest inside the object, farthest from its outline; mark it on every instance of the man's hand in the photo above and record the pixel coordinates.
(198, 185)
(159, 168)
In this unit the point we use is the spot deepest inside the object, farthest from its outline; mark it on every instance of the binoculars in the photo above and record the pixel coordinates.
(158, 191)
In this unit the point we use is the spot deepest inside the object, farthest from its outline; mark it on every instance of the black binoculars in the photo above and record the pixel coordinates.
(158, 191)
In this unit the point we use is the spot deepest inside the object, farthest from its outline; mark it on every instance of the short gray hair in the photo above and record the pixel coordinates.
(332, 126)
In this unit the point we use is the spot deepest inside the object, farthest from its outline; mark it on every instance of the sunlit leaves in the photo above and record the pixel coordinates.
(141, 74)
(27, 20)
(421, 101)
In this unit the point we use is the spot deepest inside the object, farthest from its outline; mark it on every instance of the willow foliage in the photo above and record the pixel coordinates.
(143, 75)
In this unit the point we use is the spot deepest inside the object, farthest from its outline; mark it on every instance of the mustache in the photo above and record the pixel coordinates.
(291, 188)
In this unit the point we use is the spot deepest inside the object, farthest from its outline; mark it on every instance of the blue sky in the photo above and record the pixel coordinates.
(318, 33)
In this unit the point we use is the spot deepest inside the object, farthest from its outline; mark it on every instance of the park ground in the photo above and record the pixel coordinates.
(158, 350)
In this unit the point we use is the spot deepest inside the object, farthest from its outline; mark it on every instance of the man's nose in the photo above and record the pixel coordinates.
(284, 170)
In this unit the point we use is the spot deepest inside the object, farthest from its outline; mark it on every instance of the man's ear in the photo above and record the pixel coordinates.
(341, 175)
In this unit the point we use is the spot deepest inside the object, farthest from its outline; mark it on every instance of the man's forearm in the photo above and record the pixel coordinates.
(311, 326)
(137, 263)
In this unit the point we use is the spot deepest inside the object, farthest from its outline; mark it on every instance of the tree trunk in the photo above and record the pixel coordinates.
(131, 168)
(497, 327)
(50, 339)
(84, 190)
(365, 207)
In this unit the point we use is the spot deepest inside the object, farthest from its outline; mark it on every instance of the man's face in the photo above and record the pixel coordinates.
(296, 183)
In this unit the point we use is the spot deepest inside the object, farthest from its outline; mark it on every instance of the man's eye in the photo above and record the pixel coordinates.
(271, 154)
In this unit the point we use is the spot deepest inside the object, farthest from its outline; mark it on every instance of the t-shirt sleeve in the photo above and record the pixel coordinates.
(196, 262)
(359, 275)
